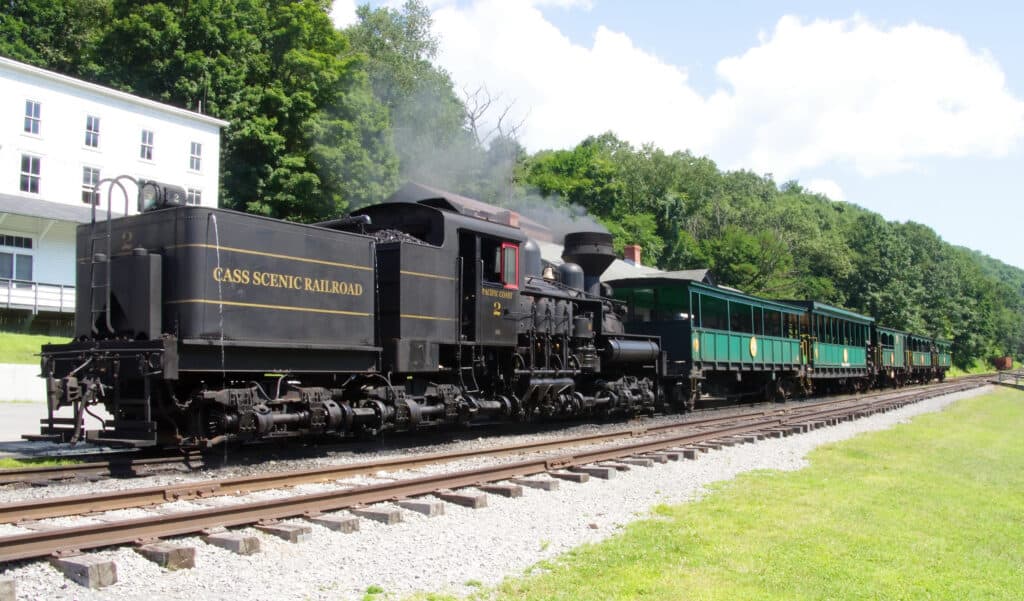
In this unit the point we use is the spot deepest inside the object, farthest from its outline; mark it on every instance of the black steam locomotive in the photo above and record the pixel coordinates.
(199, 326)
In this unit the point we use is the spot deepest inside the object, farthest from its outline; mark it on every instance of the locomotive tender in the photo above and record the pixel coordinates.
(199, 326)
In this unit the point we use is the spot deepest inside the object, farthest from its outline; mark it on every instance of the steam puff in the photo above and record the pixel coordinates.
(560, 217)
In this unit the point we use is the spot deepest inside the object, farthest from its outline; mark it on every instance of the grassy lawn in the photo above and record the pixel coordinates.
(8, 462)
(979, 367)
(22, 348)
(929, 510)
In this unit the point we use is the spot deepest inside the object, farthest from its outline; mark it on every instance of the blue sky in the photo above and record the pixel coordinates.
(911, 109)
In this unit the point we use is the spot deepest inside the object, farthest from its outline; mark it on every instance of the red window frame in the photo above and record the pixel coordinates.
(504, 267)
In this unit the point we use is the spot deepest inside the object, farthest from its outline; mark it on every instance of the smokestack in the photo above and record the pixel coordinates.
(631, 253)
(593, 252)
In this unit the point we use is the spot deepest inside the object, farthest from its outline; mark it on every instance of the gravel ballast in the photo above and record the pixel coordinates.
(454, 552)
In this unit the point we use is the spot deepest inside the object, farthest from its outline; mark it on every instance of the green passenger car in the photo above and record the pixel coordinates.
(919, 353)
(717, 338)
(889, 356)
(838, 340)
(889, 345)
(943, 356)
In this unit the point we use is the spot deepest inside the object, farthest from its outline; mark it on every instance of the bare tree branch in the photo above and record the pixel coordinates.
(478, 103)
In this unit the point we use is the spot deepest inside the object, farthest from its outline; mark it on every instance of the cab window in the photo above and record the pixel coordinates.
(510, 265)
(490, 254)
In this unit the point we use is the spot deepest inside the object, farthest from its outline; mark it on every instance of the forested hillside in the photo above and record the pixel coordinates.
(325, 120)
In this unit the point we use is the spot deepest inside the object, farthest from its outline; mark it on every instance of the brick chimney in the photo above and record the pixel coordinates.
(509, 218)
(631, 253)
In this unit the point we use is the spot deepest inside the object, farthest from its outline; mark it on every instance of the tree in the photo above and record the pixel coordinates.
(638, 228)
(427, 117)
(307, 138)
(757, 263)
(53, 34)
(586, 175)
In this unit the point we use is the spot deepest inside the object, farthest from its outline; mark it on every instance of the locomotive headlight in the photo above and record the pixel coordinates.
(156, 195)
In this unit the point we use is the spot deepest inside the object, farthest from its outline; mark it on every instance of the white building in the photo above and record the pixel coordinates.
(59, 137)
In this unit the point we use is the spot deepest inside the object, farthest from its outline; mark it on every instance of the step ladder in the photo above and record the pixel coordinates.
(99, 281)
(469, 383)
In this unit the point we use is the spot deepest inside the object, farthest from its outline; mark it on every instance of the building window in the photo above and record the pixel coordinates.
(32, 117)
(92, 131)
(194, 197)
(146, 150)
(16, 241)
(15, 265)
(196, 157)
(29, 174)
(90, 179)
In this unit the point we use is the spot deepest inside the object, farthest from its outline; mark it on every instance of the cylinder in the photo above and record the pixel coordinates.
(541, 314)
(618, 350)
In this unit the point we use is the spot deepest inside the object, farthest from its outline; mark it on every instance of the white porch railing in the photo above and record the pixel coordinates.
(36, 296)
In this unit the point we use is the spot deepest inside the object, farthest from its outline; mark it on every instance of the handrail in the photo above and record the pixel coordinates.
(16, 294)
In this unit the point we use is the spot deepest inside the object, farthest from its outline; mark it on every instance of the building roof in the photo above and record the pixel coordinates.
(45, 209)
(702, 276)
(110, 92)
(619, 269)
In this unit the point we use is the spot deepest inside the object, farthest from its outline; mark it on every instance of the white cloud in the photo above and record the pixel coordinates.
(343, 13)
(569, 91)
(878, 99)
(808, 95)
(824, 186)
(584, 4)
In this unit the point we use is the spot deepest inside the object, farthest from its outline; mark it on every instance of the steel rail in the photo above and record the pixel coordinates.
(37, 509)
(47, 542)
(120, 466)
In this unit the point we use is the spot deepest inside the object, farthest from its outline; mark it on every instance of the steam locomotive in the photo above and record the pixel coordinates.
(197, 326)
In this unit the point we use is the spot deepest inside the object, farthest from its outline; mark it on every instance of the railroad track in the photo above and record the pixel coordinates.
(579, 454)
(117, 467)
(148, 496)
(133, 467)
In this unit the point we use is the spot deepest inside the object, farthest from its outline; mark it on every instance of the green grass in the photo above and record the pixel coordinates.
(929, 510)
(978, 367)
(22, 348)
(8, 462)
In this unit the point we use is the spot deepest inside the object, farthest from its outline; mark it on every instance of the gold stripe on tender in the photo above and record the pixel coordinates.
(427, 275)
(414, 316)
(273, 255)
(206, 301)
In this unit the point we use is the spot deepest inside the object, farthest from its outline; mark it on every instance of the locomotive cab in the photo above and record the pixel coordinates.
(490, 287)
